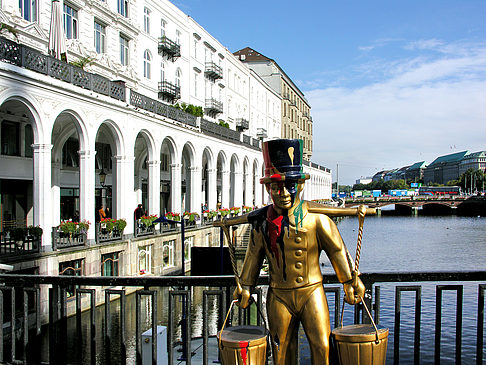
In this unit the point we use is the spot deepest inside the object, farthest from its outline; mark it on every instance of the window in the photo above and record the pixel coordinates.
(164, 163)
(29, 10)
(178, 75)
(162, 71)
(168, 253)
(123, 7)
(10, 139)
(109, 264)
(178, 37)
(70, 22)
(29, 140)
(145, 259)
(99, 37)
(195, 84)
(124, 44)
(69, 154)
(189, 242)
(146, 20)
(195, 48)
(71, 268)
(146, 64)
(163, 23)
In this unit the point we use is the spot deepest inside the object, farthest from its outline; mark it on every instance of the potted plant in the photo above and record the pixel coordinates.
(120, 225)
(35, 231)
(247, 209)
(191, 216)
(68, 228)
(107, 224)
(235, 210)
(148, 220)
(173, 216)
(83, 226)
(224, 212)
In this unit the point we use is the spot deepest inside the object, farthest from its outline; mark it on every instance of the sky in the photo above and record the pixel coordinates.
(390, 83)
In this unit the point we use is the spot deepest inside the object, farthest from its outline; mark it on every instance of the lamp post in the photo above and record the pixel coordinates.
(102, 176)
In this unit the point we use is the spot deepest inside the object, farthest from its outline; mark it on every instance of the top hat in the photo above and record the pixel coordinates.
(283, 161)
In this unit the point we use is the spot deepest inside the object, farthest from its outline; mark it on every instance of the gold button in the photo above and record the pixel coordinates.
(298, 265)
(299, 279)
(298, 239)
(298, 253)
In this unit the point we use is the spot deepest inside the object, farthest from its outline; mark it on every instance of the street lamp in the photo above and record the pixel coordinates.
(102, 176)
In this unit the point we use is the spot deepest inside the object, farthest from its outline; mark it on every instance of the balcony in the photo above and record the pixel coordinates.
(262, 133)
(31, 59)
(213, 71)
(169, 92)
(242, 124)
(216, 130)
(213, 107)
(169, 49)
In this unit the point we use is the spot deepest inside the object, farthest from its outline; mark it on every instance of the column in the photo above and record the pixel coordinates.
(153, 187)
(225, 189)
(238, 188)
(42, 191)
(212, 193)
(124, 202)
(175, 186)
(248, 189)
(195, 195)
(87, 189)
(56, 193)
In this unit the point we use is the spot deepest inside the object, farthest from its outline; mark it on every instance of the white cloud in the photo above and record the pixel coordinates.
(416, 113)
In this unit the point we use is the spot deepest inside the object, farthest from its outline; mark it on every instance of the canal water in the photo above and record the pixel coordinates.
(390, 244)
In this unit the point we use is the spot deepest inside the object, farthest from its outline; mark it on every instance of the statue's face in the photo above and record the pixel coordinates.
(284, 194)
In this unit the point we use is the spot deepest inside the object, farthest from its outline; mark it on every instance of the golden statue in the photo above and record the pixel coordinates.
(291, 234)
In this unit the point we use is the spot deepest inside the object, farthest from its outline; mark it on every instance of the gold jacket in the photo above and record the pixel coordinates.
(295, 263)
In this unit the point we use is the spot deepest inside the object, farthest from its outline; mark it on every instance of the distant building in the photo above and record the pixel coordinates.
(475, 161)
(397, 174)
(415, 172)
(380, 175)
(444, 168)
(364, 180)
(295, 109)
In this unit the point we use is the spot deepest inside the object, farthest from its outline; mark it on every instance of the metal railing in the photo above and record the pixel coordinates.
(20, 316)
(214, 129)
(62, 240)
(26, 245)
(213, 71)
(169, 48)
(143, 102)
(29, 58)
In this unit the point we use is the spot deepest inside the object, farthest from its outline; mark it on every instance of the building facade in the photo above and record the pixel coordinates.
(296, 118)
(63, 127)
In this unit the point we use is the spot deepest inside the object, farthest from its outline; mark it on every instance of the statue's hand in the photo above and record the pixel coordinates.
(354, 291)
(242, 294)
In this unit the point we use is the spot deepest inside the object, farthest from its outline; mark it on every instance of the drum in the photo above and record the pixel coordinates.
(361, 344)
(243, 345)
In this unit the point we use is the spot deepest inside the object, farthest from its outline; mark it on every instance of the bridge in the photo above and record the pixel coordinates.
(467, 205)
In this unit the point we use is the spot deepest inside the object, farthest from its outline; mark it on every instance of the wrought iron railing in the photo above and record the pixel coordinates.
(21, 316)
(213, 71)
(213, 106)
(29, 58)
(104, 235)
(169, 48)
(61, 240)
(169, 90)
(155, 106)
(26, 244)
(214, 129)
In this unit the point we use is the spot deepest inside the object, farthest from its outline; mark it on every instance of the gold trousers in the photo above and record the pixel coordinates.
(286, 308)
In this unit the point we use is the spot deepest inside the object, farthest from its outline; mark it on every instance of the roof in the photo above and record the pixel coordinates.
(418, 165)
(476, 154)
(250, 55)
(454, 157)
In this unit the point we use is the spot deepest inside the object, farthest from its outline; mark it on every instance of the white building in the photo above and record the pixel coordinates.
(62, 126)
